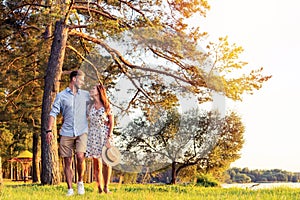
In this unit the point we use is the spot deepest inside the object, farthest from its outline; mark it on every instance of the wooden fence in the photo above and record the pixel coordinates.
(16, 172)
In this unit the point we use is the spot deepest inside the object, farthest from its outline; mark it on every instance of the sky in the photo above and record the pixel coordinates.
(269, 32)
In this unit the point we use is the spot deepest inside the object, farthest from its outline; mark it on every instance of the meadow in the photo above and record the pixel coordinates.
(18, 190)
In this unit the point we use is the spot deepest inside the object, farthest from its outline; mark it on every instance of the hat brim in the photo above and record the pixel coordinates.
(108, 161)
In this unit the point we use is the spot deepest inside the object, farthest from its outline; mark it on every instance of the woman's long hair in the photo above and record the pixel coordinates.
(103, 97)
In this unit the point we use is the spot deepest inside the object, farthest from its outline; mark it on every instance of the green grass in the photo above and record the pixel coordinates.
(13, 190)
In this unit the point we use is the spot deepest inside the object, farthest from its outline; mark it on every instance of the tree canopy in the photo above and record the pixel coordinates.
(194, 138)
(148, 44)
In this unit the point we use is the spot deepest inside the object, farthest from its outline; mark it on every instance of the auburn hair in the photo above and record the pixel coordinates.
(103, 97)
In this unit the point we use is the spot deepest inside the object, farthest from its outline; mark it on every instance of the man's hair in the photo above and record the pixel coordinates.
(76, 73)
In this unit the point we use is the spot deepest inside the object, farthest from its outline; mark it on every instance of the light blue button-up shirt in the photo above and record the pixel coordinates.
(73, 109)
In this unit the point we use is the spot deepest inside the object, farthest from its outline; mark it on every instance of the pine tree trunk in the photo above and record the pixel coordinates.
(35, 158)
(1, 178)
(36, 138)
(50, 160)
(173, 181)
(121, 179)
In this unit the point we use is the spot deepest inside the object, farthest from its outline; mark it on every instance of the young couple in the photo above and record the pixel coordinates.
(87, 128)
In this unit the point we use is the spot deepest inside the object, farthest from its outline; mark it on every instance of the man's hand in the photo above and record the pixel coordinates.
(49, 137)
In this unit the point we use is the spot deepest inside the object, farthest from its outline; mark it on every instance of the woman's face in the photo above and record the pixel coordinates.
(94, 92)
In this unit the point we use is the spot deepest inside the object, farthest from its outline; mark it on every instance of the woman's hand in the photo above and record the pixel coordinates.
(107, 144)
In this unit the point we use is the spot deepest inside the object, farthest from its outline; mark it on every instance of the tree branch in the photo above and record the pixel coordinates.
(162, 55)
(152, 148)
(82, 57)
(33, 122)
(135, 9)
(30, 4)
(114, 53)
(107, 15)
(131, 101)
(68, 12)
(23, 85)
(119, 55)
(130, 78)
(77, 26)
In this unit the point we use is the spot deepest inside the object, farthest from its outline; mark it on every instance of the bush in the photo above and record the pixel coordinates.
(207, 180)
(130, 178)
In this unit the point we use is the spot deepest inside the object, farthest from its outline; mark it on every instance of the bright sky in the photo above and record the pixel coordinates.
(269, 31)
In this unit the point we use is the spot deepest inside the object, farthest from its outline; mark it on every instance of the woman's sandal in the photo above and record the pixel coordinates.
(106, 190)
(100, 191)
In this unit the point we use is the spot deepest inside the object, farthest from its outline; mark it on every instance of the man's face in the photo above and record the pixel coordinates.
(79, 81)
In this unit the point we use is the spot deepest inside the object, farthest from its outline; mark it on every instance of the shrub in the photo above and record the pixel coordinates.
(207, 180)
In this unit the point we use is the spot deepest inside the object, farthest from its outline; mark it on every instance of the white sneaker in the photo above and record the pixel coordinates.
(70, 192)
(80, 188)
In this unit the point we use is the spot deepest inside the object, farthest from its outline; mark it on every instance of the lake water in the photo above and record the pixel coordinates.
(261, 185)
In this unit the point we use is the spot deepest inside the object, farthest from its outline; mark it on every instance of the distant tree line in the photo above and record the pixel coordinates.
(238, 175)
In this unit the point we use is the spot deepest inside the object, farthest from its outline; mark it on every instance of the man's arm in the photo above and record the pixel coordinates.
(53, 113)
(49, 133)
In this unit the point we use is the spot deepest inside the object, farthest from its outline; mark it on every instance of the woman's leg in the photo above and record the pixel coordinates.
(106, 176)
(98, 173)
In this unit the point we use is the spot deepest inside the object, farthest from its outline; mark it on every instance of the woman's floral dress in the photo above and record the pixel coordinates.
(98, 131)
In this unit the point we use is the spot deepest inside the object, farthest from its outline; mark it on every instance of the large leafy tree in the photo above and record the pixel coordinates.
(202, 139)
(148, 29)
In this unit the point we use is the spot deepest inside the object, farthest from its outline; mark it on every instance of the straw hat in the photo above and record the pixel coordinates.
(111, 156)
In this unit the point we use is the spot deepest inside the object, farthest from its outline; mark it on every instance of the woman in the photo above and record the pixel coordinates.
(101, 123)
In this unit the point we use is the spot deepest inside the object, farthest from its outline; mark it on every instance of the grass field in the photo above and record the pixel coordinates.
(12, 190)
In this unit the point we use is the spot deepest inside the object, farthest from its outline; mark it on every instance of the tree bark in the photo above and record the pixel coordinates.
(173, 181)
(1, 178)
(50, 161)
(35, 158)
(36, 172)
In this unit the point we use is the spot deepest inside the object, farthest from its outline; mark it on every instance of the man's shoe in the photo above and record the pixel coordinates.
(80, 188)
(70, 192)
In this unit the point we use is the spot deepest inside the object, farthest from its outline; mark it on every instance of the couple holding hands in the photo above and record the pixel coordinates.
(87, 127)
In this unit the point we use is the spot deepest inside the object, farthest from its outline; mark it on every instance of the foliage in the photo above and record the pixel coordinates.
(207, 180)
(161, 60)
(130, 178)
(147, 29)
(227, 149)
(275, 175)
(22, 61)
(188, 174)
(188, 139)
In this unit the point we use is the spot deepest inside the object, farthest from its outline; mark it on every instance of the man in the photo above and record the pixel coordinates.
(72, 103)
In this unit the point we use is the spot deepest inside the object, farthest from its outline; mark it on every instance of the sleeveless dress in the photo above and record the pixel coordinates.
(98, 131)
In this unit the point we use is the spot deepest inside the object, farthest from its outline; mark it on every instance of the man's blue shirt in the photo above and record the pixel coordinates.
(73, 109)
